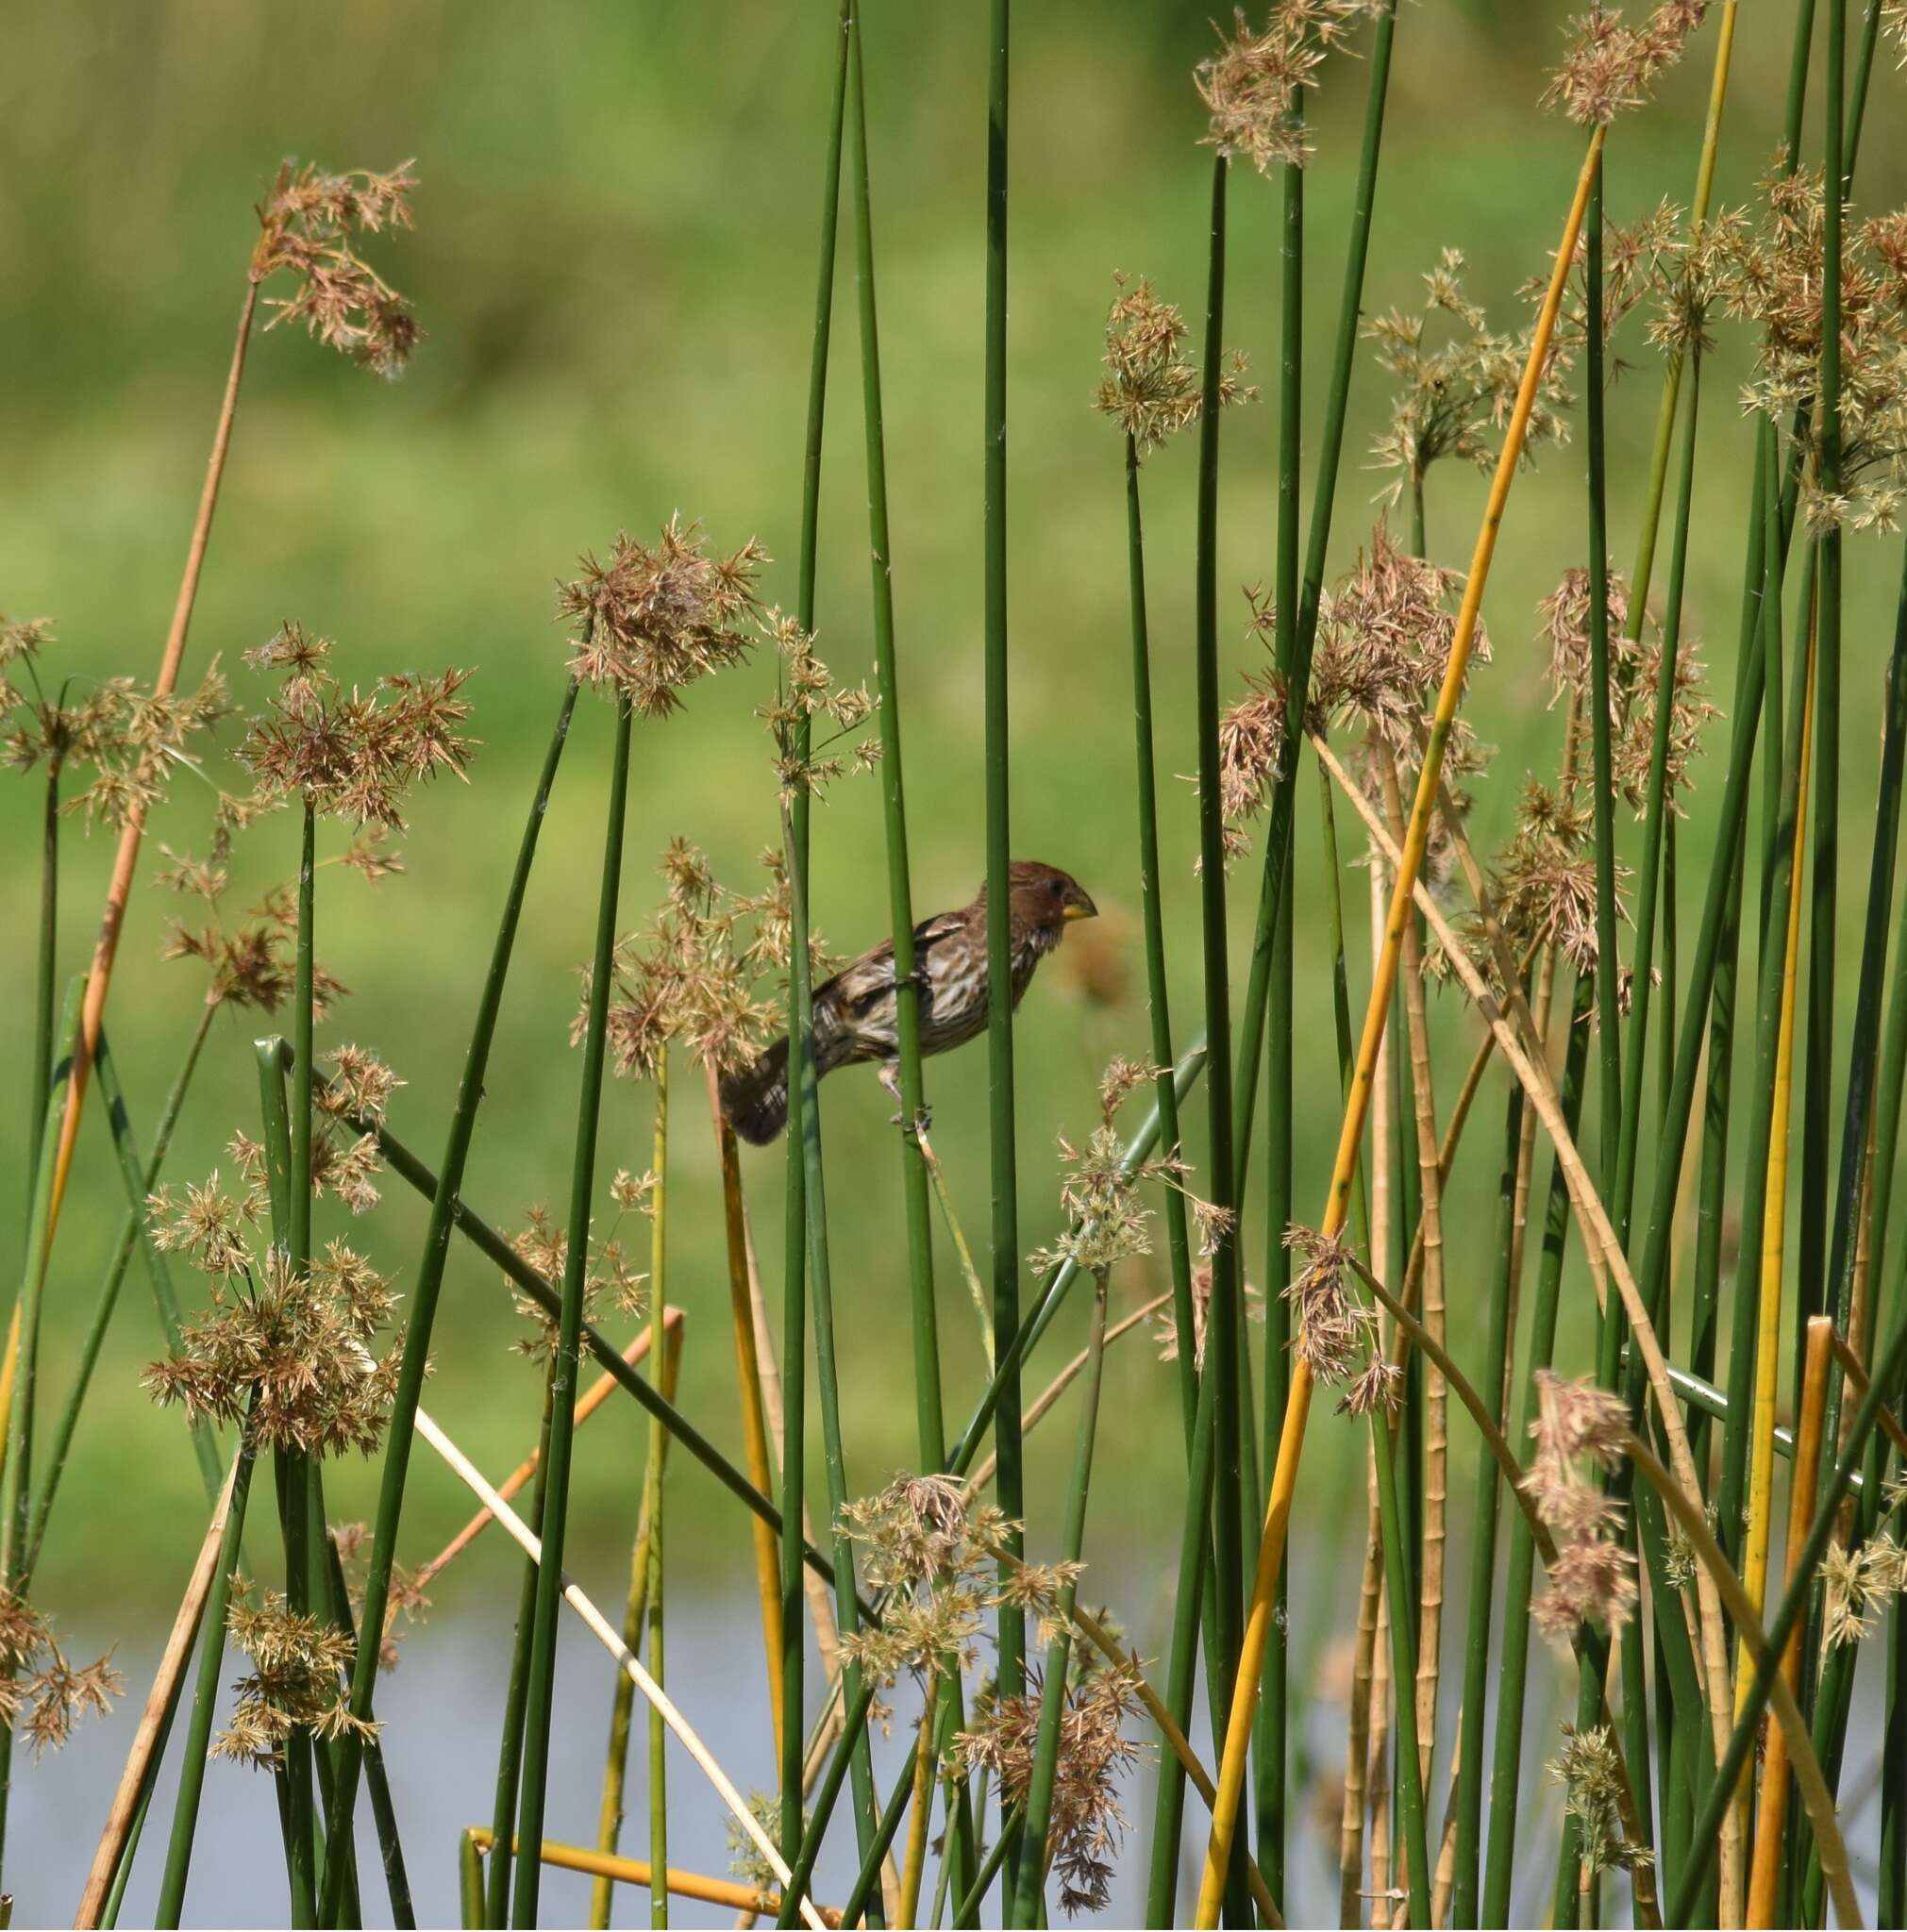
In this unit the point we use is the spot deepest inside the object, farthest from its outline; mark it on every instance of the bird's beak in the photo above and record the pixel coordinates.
(1079, 906)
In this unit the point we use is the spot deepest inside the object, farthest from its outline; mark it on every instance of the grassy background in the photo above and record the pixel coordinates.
(614, 262)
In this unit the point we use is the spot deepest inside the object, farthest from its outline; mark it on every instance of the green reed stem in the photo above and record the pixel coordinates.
(141, 1179)
(44, 981)
(652, 1509)
(1514, 1664)
(516, 1695)
(1413, 1840)
(444, 1205)
(1655, 818)
(1478, 1662)
(1178, 1239)
(1277, 841)
(1010, 1481)
(16, 1491)
(1272, 1725)
(932, 1425)
(794, 1219)
(171, 1906)
(827, 1795)
(539, 1704)
(821, 1300)
(470, 1881)
(1028, 1905)
(1224, 1313)
(635, 1615)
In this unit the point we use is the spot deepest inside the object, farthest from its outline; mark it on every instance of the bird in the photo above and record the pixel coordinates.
(856, 1016)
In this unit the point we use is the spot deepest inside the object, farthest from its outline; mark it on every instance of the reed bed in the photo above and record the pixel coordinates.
(1677, 1454)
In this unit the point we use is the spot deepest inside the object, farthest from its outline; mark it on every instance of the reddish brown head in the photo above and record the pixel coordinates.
(1044, 899)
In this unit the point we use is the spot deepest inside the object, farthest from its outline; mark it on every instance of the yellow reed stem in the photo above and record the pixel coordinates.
(1774, 1227)
(1297, 1407)
(714, 1891)
(1766, 1872)
(749, 1389)
(915, 1863)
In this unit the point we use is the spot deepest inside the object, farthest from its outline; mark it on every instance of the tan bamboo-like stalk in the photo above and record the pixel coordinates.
(1764, 1871)
(749, 1392)
(714, 1891)
(1297, 1407)
(587, 1403)
(1445, 1877)
(1856, 1373)
(1436, 1421)
(1373, 1775)
(1379, 1782)
(165, 1683)
(1358, 1729)
(600, 1628)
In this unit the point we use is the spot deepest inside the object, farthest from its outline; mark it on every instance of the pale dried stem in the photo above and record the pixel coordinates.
(1358, 1740)
(145, 1740)
(629, 1663)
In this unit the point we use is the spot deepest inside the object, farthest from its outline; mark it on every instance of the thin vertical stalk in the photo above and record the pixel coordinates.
(652, 1507)
(1764, 1873)
(1514, 1663)
(538, 1703)
(198, 1733)
(749, 1389)
(445, 1201)
(635, 1614)
(1277, 840)
(1478, 1662)
(126, 858)
(39, 1095)
(509, 1751)
(1270, 1743)
(1027, 1901)
(1278, 1514)
(932, 1425)
(1413, 1846)
(1223, 1329)
(1005, 1265)
(1657, 810)
(795, 1228)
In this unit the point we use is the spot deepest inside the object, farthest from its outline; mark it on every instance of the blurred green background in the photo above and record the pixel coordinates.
(613, 261)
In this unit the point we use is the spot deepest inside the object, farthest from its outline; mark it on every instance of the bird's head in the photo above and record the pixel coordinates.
(1045, 899)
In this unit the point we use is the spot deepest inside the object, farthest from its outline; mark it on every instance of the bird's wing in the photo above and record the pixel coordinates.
(941, 926)
(856, 988)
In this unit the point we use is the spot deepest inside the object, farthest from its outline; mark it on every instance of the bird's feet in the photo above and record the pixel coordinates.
(890, 1078)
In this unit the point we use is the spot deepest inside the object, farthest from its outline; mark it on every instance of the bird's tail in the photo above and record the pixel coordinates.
(756, 1099)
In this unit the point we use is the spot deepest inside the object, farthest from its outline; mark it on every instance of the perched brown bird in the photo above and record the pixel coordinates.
(855, 1017)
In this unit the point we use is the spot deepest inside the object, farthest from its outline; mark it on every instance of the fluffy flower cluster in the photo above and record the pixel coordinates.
(1769, 269)
(348, 754)
(1457, 379)
(1088, 1823)
(41, 1696)
(131, 740)
(1151, 390)
(1578, 1427)
(1611, 66)
(609, 1277)
(1337, 1334)
(292, 1357)
(1253, 85)
(309, 227)
(807, 691)
(1590, 1773)
(299, 1680)
(659, 616)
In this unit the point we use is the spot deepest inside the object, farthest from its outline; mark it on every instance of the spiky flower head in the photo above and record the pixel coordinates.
(299, 1680)
(1579, 1428)
(1337, 1331)
(41, 1696)
(609, 1280)
(656, 617)
(1457, 381)
(1253, 84)
(348, 754)
(1088, 1823)
(806, 691)
(1590, 1773)
(310, 228)
(1099, 1188)
(1611, 66)
(1151, 389)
